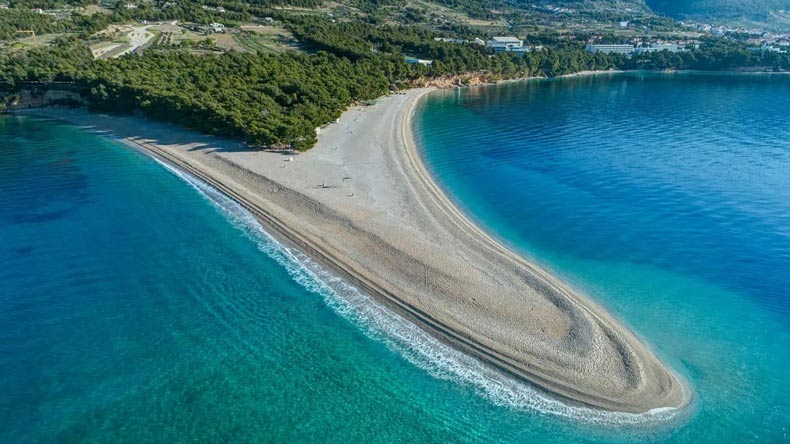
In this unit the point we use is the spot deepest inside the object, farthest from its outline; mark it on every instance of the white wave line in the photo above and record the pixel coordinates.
(403, 337)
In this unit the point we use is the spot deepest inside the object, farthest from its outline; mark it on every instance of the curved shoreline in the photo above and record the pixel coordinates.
(443, 199)
(362, 249)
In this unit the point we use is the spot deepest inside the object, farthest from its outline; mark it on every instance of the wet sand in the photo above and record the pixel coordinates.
(362, 204)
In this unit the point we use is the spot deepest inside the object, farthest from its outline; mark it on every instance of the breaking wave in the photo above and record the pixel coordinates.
(403, 337)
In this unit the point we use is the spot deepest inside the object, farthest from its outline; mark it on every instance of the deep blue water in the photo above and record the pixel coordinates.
(666, 197)
(137, 305)
(691, 176)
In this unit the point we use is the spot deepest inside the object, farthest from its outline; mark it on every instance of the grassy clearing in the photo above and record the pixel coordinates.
(26, 43)
(257, 38)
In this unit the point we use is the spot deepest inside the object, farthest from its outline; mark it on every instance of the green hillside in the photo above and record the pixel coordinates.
(750, 9)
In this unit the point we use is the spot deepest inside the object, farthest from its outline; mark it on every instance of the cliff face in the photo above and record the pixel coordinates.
(470, 79)
(39, 97)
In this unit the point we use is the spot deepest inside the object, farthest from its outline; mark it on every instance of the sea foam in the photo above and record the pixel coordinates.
(405, 338)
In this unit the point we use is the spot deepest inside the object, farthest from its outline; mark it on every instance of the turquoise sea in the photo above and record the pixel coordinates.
(138, 305)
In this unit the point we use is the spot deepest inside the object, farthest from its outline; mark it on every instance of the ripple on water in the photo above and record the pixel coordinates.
(403, 337)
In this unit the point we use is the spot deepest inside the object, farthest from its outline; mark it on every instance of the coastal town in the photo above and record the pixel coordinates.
(636, 35)
(517, 46)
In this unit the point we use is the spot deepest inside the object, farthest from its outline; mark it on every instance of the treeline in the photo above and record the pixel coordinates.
(16, 19)
(60, 62)
(268, 99)
(279, 99)
(357, 40)
(756, 9)
(48, 4)
(712, 55)
(482, 9)
(21, 15)
(275, 99)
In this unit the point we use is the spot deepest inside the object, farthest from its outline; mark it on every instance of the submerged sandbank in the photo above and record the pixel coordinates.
(362, 204)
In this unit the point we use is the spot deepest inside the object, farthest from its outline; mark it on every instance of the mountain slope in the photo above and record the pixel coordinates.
(750, 9)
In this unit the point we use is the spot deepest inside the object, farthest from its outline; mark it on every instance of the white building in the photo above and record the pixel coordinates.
(525, 49)
(450, 40)
(502, 44)
(610, 49)
(657, 47)
(415, 61)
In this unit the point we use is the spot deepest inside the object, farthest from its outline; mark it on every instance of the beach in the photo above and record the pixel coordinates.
(363, 205)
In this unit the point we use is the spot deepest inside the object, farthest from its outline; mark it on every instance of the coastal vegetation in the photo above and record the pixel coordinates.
(278, 99)
(720, 8)
(13, 20)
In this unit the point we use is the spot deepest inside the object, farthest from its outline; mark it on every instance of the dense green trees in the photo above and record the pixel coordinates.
(57, 63)
(278, 99)
(357, 40)
(269, 99)
(757, 9)
(14, 19)
(712, 55)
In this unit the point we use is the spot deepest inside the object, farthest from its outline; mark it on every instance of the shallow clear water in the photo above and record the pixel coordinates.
(137, 305)
(666, 197)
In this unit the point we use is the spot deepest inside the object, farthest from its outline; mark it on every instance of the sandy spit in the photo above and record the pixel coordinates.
(362, 204)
